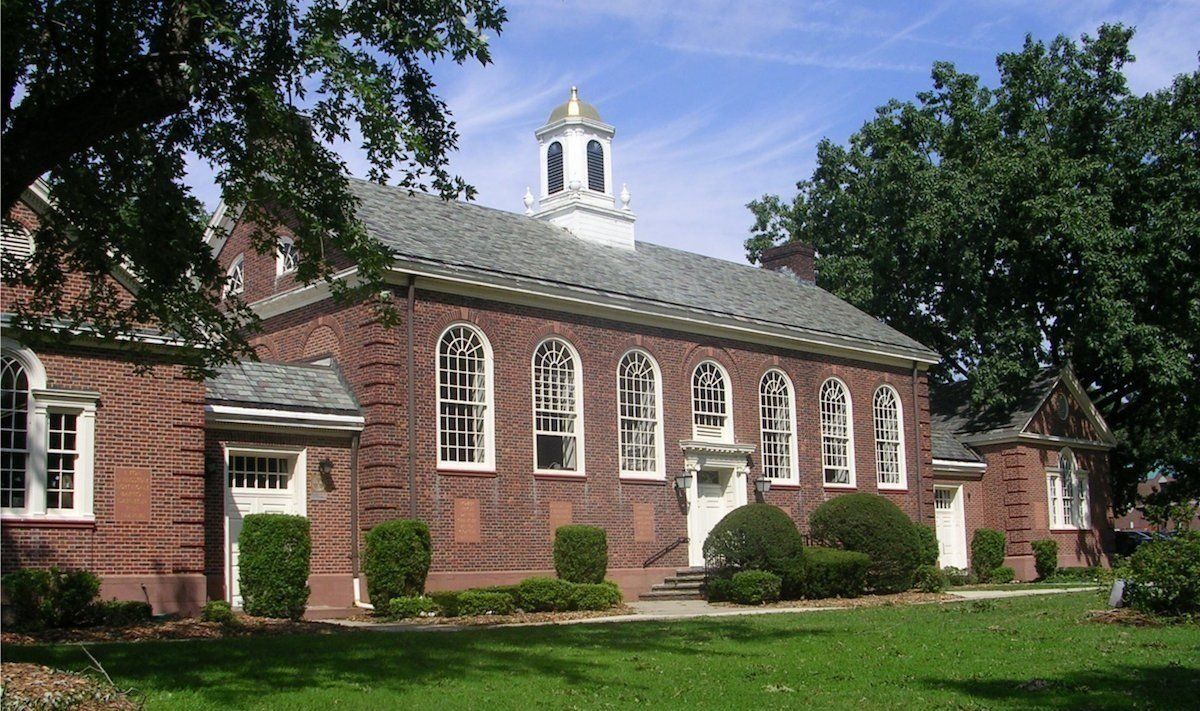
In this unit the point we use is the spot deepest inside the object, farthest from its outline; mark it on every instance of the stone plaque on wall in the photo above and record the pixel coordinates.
(466, 521)
(643, 523)
(131, 489)
(560, 515)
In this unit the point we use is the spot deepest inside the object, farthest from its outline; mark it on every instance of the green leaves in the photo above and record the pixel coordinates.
(1053, 218)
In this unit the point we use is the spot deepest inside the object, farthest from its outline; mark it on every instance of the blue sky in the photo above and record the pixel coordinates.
(716, 103)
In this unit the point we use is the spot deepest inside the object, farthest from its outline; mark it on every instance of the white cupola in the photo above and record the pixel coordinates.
(575, 147)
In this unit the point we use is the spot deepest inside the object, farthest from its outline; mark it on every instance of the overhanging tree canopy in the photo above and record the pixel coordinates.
(109, 98)
(1052, 219)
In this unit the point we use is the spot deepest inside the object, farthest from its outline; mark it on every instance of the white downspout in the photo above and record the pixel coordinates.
(358, 601)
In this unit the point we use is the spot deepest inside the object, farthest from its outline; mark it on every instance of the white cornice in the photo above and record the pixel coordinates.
(1032, 438)
(254, 418)
(950, 468)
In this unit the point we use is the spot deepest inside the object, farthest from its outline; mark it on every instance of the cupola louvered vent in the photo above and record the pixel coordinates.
(595, 166)
(554, 168)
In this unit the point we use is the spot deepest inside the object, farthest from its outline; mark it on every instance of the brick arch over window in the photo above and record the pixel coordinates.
(322, 342)
(724, 358)
(264, 351)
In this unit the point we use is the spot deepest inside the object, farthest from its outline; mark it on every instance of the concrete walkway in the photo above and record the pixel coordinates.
(649, 611)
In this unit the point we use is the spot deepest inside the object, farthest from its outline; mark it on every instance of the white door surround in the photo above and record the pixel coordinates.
(951, 526)
(719, 473)
(245, 498)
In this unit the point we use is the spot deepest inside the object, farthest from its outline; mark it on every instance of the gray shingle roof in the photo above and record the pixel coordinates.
(310, 388)
(946, 446)
(470, 238)
(950, 407)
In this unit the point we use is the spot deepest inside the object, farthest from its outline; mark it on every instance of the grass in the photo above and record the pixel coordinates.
(1015, 653)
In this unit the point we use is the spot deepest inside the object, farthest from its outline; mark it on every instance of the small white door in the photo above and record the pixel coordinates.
(255, 483)
(951, 528)
(715, 497)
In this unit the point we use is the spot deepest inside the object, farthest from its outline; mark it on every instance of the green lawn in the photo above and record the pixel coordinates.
(1018, 653)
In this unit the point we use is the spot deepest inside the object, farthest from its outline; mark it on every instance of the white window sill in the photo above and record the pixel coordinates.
(851, 485)
(1069, 529)
(564, 473)
(648, 478)
(892, 487)
(466, 467)
(36, 518)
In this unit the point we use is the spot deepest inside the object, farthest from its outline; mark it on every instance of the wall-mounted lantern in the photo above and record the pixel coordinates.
(762, 485)
(683, 481)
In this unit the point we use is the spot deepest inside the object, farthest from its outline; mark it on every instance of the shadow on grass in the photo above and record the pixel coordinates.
(237, 672)
(1169, 686)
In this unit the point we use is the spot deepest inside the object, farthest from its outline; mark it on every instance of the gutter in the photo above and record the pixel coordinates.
(917, 438)
(354, 557)
(410, 365)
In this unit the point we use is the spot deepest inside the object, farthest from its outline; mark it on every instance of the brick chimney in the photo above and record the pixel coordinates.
(794, 257)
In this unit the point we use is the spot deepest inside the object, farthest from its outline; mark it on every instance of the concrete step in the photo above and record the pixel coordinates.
(672, 595)
(676, 583)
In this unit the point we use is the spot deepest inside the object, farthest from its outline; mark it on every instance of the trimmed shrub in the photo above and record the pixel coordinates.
(581, 554)
(402, 608)
(1003, 574)
(1078, 574)
(52, 598)
(828, 572)
(447, 601)
(987, 552)
(1164, 576)
(123, 613)
(595, 596)
(754, 587)
(929, 544)
(1045, 557)
(274, 552)
(956, 576)
(870, 524)
(544, 595)
(753, 537)
(719, 589)
(218, 611)
(396, 560)
(480, 602)
(930, 579)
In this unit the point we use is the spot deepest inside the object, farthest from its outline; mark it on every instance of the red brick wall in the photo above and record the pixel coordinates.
(1076, 425)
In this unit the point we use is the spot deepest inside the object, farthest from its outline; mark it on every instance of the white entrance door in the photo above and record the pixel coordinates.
(715, 497)
(256, 482)
(951, 528)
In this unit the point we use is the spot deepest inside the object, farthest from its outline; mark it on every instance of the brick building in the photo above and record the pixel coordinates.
(546, 368)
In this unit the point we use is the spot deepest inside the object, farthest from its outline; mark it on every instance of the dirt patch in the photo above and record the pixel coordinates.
(493, 620)
(904, 598)
(1126, 616)
(30, 686)
(188, 628)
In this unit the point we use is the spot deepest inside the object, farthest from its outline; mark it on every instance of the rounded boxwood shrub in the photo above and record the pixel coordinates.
(1164, 576)
(52, 598)
(544, 595)
(218, 611)
(274, 552)
(1002, 574)
(1045, 558)
(581, 554)
(753, 537)
(866, 523)
(123, 613)
(754, 587)
(402, 608)
(929, 544)
(595, 596)
(827, 572)
(987, 552)
(396, 560)
(481, 602)
(930, 579)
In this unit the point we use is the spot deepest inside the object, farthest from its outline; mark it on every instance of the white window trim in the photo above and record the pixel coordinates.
(794, 465)
(488, 465)
(901, 453)
(727, 434)
(853, 483)
(280, 268)
(239, 263)
(580, 469)
(1081, 485)
(660, 472)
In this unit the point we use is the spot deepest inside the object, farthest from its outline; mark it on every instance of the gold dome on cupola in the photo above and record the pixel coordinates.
(574, 108)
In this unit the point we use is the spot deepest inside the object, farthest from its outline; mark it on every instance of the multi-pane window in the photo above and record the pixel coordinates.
(255, 472)
(288, 258)
(710, 401)
(943, 499)
(889, 447)
(775, 405)
(637, 394)
(556, 406)
(235, 281)
(554, 168)
(1067, 487)
(61, 456)
(837, 447)
(463, 397)
(595, 166)
(14, 432)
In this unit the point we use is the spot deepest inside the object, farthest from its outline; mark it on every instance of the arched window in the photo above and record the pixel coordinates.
(14, 432)
(710, 402)
(777, 415)
(1067, 487)
(557, 420)
(465, 418)
(554, 168)
(889, 440)
(595, 166)
(235, 281)
(639, 389)
(287, 259)
(837, 442)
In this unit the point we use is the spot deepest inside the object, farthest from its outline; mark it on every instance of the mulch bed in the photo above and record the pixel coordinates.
(1128, 617)
(904, 598)
(31, 686)
(492, 620)
(187, 628)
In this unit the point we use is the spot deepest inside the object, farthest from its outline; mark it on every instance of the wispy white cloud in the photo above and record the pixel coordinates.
(800, 59)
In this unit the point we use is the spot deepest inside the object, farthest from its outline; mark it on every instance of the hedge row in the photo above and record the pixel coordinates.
(66, 598)
(536, 594)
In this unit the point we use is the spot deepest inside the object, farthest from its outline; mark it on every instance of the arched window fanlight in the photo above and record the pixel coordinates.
(554, 168)
(595, 165)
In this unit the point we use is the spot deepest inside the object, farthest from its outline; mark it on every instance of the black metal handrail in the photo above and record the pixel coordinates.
(670, 547)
